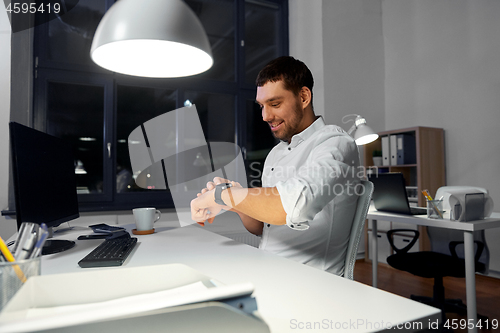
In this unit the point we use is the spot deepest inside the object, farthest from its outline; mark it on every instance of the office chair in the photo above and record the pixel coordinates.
(357, 228)
(446, 258)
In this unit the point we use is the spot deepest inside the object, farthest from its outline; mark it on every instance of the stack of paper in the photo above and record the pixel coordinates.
(21, 316)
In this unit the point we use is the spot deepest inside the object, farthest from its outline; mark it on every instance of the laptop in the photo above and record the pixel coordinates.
(389, 194)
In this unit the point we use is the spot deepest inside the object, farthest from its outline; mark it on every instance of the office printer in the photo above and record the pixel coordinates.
(466, 203)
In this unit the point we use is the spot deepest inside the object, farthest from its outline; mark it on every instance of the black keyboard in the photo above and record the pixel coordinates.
(111, 252)
(418, 210)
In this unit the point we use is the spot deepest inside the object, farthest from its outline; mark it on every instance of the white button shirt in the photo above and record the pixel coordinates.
(317, 177)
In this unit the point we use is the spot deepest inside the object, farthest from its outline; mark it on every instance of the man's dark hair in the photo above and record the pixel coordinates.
(294, 74)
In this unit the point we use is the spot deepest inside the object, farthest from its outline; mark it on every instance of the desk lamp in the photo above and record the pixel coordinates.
(156, 38)
(361, 132)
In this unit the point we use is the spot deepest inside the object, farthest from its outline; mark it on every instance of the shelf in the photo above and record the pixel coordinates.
(392, 166)
(402, 166)
(428, 172)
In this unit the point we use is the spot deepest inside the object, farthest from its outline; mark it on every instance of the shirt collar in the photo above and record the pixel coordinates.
(308, 132)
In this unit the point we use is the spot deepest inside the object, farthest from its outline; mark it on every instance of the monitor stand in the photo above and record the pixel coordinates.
(56, 245)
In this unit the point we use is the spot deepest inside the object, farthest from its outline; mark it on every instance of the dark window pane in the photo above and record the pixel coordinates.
(216, 112)
(76, 113)
(70, 35)
(261, 36)
(259, 143)
(217, 19)
(136, 105)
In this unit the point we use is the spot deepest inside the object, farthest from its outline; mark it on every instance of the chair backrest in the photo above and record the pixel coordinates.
(357, 227)
(440, 239)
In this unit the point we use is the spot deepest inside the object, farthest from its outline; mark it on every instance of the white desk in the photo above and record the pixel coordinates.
(467, 227)
(289, 295)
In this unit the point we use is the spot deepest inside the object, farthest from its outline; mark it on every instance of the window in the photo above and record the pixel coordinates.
(83, 128)
(96, 109)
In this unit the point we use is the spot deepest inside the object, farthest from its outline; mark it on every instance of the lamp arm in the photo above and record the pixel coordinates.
(353, 115)
(352, 129)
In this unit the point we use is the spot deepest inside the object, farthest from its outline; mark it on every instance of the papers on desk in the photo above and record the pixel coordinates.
(26, 313)
(121, 306)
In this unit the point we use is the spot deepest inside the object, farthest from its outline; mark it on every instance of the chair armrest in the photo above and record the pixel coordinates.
(405, 249)
(479, 250)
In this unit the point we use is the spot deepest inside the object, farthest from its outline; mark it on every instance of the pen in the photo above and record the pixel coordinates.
(41, 241)
(25, 233)
(27, 247)
(10, 258)
(5, 251)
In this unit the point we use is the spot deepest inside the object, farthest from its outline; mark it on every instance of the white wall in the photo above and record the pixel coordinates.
(443, 70)
(341, 42)
(306, 43)
(7, 226)
(442, 62)
(353, 53)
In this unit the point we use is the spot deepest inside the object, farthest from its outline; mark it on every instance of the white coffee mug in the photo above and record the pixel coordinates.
(145, 218)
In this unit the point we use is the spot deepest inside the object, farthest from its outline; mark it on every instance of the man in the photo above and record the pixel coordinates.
(305, 208)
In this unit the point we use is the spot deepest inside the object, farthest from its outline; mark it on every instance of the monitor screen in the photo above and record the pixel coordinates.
(43, 169)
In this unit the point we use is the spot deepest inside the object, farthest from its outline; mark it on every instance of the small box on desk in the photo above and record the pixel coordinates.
(150, 298)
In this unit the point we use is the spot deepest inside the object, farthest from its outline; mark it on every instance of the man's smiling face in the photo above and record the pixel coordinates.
(281, 109)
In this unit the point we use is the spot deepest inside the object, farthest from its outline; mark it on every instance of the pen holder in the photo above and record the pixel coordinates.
(14, 274)
(435, 209)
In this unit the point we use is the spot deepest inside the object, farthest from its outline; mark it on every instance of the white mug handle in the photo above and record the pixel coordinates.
(158, 217)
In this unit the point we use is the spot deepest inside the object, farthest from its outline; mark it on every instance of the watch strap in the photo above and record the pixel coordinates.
(218, 192)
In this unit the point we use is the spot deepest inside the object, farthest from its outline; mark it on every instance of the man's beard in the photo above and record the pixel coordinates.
(291, 127)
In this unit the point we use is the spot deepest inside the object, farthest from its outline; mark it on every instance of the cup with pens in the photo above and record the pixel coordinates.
(22, 261)
(434, 206)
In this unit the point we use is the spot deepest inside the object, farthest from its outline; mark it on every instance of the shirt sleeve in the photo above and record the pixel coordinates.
(331, 170)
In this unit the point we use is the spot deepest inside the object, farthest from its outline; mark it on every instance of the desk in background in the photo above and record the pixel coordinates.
(289, 295)
(467, 227)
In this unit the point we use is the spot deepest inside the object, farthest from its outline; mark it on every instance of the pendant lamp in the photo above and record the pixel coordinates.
(151, 38)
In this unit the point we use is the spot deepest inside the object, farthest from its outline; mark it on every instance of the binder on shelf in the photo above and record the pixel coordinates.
(386, 151)
(406, 153)
(393, 149)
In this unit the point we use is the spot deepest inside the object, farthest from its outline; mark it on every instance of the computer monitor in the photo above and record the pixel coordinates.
(44, 181)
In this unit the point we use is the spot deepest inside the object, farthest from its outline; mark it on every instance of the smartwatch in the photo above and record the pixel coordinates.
(218, 191)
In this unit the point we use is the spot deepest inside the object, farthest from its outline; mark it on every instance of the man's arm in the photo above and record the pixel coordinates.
(255, 206)
(260, 203)
(252, 225)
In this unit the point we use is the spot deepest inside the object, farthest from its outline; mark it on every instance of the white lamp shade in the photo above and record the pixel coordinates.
(154, 38)
(364, 135)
